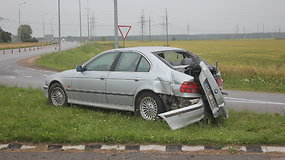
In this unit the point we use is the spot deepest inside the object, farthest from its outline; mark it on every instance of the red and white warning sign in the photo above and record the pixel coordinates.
(124, 30)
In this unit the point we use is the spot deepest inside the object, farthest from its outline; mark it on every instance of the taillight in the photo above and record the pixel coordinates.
(219, 81)
(190, 87)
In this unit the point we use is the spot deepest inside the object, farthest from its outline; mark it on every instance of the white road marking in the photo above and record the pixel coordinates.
(28, 76)
(241, 100)
(11, 77)
(37, 70)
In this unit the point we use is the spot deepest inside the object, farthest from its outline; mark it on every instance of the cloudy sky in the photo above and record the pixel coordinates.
(203, 16)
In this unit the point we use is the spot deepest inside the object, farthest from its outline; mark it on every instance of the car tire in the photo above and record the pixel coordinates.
(57, 95)
(150, 105)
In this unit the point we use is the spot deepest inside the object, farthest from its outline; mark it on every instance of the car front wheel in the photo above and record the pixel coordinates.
(57, 95)
(150, 105)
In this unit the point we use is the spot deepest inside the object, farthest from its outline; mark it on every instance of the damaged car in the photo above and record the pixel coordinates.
(171, 83)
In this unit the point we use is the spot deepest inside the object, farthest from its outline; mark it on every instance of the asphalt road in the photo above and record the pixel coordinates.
(14, 75)
(133, 156)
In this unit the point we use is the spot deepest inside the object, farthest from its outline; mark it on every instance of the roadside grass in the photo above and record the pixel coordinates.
(26, 116)
(253, 65)
(4, 46)
(70, 58)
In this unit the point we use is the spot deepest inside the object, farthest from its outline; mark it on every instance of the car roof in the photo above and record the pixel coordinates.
(148, 49)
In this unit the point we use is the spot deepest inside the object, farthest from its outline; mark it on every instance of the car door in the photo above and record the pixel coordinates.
(89, 86)
(212, 92)
(130, 72)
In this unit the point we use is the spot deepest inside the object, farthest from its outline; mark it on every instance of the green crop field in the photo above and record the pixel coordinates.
(255, 65)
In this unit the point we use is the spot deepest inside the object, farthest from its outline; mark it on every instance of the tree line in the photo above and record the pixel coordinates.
(24, 34)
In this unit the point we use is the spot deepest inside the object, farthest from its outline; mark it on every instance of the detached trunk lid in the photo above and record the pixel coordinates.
(212, 92)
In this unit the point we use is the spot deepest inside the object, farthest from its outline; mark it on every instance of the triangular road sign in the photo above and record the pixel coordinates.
(126, 30)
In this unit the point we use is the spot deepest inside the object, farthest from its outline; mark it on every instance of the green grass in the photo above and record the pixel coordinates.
(253, 65)
(26, 116)
(69, 59)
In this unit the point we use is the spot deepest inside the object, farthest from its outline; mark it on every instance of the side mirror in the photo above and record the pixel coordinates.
(79, 69)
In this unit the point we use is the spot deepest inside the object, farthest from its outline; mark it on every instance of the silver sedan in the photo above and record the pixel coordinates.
(165, 82)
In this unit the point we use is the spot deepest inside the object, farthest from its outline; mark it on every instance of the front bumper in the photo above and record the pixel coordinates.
(184, 116)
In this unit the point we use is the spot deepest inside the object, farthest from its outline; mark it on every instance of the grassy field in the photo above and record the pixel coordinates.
(254, 65)
(20, 45)
(26, 116)
(70, 58)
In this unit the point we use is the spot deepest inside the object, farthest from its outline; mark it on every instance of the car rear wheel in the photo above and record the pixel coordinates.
(150, 105)
(57, 95)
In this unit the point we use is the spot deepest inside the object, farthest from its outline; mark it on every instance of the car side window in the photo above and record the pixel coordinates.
(143, 65)
(102, 63)
(128, 62)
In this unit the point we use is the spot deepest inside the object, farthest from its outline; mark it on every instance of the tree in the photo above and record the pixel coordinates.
(5, 36)
(1, 35)
(24, 32)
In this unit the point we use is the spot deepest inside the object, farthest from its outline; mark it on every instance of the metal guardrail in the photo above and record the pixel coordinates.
(27, 49)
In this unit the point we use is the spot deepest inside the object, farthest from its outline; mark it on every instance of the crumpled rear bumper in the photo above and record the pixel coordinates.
(184, 116)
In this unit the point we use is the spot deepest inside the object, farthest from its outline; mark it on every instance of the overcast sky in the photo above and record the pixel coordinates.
(203, 16)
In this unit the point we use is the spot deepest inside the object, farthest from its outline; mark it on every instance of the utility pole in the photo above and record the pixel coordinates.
(257, 27)
(44, 24)
(166, 25)
(80, 24)
(149, 29)
(188, 32)
(116, 24)
(88, 21)
(237, 29)
(92, 26)
(59, 36)
(142, 25)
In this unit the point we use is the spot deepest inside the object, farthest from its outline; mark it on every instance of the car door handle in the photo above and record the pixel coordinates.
(102, 78)
(137, 79)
